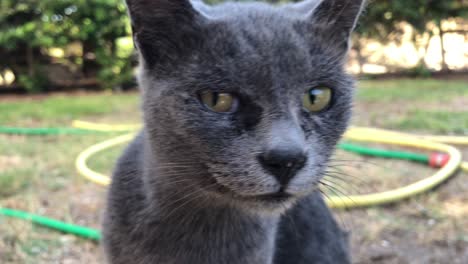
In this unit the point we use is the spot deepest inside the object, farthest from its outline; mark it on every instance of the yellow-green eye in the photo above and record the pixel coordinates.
(317, 99)
(219, 102)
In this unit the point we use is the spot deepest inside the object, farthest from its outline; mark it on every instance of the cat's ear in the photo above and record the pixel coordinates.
(304, 7)
(164, 30)
(335, 18)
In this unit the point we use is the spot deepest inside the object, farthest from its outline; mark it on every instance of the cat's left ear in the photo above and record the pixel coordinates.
(335, 19)
(165, 31)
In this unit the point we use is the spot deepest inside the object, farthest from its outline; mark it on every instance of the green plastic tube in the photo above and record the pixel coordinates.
(94, 234)
(384, 153)
(81, 231)
(45, 131)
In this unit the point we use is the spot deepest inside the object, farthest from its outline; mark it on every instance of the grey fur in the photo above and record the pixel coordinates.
(190, 188)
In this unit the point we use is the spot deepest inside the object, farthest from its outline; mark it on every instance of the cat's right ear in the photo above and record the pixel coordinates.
(164, 30)
(333, 19)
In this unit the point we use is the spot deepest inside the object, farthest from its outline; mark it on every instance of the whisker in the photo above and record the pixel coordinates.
(197, 191)
(169, 183)
(363, 185)
(179, 163)
(353, 188)
(200, 206)
(346, 176)
(337, 192)
(184, 193)
(346, 179)
(336, 188)
(342, 222)
(345, 162)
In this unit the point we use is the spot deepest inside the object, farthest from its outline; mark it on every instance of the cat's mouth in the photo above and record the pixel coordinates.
(280, 196)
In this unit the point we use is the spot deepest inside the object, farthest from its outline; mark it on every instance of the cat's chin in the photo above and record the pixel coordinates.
(274, 203)
(267, 204)
(271, 204)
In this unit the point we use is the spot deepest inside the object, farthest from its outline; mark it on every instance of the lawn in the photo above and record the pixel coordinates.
(37, 174)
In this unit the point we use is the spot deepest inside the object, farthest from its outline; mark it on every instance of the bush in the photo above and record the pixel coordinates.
(29, 28)
(35, 82)
(420, 71)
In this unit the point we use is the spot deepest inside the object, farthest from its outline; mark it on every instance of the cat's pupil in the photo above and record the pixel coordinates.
(314, 96)
(214, 99)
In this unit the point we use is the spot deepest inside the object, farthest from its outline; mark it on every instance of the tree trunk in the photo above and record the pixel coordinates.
(30, 60)
(442, 46)
(89, 67)
(360, 57)
(422, 59)
(113, 44)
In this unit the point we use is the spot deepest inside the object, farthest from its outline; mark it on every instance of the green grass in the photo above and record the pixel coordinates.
(47, 163)
(435, 121)
(42, 178)
(101, 162)
(425, 90)
(431, 106)
(60, 109)
(14, 181)
(35, 247)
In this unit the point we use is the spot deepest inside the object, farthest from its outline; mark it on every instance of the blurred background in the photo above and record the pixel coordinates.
(62, 60)
(62, 45)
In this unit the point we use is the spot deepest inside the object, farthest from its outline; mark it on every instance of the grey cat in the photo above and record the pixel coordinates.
(243, 104)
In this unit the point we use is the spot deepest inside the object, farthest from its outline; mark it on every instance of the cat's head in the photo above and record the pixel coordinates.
(244, 101)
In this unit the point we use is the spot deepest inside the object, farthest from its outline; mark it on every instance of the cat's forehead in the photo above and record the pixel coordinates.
(261, 21)
(265, 35)
(253, 50)
(228, 10)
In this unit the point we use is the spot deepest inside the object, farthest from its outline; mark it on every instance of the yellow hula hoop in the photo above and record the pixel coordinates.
(81, 161)
(354, 133)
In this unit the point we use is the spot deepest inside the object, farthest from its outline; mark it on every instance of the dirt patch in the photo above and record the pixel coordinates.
(7, 162)
(428, 228)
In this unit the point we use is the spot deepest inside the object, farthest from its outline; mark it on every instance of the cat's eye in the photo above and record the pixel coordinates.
(219, 102)
(317, 99)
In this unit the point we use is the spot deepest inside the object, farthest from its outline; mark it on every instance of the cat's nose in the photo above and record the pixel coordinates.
(283, 163)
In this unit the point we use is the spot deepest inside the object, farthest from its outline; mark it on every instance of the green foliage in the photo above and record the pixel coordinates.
(116, 68)
(28, 28)
(420, 71)
(37, 25)
(35, 82)
(383, 17)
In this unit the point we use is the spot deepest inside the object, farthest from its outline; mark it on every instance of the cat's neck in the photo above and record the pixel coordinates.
(188, 226)
(218, 235)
